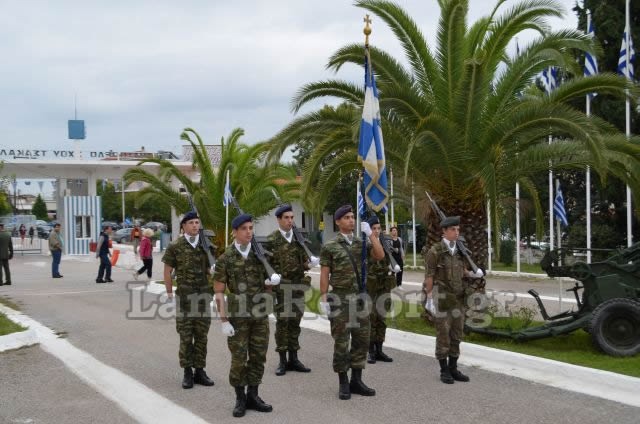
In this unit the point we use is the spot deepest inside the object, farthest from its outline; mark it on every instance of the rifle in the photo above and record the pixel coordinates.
(386, 243)
(459, 244)
(204, 237)
(257, 247)
(296, 232)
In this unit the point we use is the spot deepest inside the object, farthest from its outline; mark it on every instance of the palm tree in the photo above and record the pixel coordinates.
(464, 120)
(251, 180)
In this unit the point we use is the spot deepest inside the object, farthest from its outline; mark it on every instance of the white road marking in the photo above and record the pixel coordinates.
(137, 400)
(64, 293)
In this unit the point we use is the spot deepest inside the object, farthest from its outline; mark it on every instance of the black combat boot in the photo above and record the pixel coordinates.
(98, 280)
(371, 357)
(108, 280)
(380, 355)
(241, 402)
(254, 402)
(282, 365)
(202, 378)
(453, 369)
(8, 283)
(294, 363)
(445, 373)
(187, 381)
(357, 386)
(344, 392)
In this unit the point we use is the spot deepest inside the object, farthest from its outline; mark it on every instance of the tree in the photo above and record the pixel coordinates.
(251, 180)
(39, 208)
(464, 119)
(111, 202)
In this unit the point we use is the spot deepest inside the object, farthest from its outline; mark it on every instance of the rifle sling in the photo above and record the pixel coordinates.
(353, 262)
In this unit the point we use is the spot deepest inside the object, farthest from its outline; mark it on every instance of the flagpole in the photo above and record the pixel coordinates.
(588, 173)
(518, 228)
(413, 220)
(489, 233)
(393, 217)
(628, 113)
(226, 217)
(357, 205)
(550, 203)
(561, 289)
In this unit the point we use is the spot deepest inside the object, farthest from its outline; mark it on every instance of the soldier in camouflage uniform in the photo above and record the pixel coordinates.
(444, 270)
(380, 282)
(245, 318)
(290, 261)
(193, 317)
(348, 311)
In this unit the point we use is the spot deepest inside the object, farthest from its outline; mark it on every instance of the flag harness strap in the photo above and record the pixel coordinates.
(353, 262)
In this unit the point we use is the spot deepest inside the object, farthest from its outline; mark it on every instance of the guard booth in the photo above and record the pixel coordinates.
(82, 220)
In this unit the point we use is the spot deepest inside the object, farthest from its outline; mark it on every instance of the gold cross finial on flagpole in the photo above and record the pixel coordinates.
(367, 30)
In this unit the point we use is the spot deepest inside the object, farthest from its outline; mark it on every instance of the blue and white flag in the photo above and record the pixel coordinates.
(590, 62)
(558, 208)
(361, 209)
(371, 146)
(228, 196)
(550, 79)
(623, 69)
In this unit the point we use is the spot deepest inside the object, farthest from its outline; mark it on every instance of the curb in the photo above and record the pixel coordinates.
(20, 339)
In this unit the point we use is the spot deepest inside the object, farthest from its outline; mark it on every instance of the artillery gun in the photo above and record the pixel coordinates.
(608, 298)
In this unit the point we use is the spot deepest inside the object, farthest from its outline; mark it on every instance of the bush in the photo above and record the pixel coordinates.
(507, 251)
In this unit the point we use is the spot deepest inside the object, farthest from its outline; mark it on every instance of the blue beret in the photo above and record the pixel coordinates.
(342, 211)
(188, 217)
(373, 220)
(240, 219)
(282, 209)
(450, 221)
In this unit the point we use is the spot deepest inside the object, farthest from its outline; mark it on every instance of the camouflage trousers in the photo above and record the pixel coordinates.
(349, 323)
(380, 307)
(193, 341)
(289, 311)
(248, 347)
(449, 332)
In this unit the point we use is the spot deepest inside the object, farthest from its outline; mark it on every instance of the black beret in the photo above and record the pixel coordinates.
(373, 220)
(450, 221)
(240, 219)
(188, 217)
(342, 211)
(282, 209)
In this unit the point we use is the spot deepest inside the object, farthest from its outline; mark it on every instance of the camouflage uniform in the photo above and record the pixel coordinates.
(447, 271)
(380, 282)
(248, 308)
(289, 260)
(350, 318)
(191, 266)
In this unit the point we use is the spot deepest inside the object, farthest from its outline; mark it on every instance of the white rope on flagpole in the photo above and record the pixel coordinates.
(357, 206)
(393, 217)
(489, 249)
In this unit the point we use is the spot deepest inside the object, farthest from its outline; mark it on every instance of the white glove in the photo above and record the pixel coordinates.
(429, 306)
(273, 281)
(227, 329)
(325, 309)
(365, 228)
(314, 262)
(477, 274)
(396, 269)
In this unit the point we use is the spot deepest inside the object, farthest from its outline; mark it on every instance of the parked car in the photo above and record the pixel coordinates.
(122, 235)
(155, 226)
(114, 225)
(41, 222)
(43, 231)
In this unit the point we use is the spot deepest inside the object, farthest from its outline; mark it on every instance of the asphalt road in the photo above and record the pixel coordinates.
(38, 388)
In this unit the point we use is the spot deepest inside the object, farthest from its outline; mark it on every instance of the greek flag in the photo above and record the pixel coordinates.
(558, 208)
(361, 208)
(623, 69)
(228, 196)
(550, 79)
(371, 146)
(590, 63)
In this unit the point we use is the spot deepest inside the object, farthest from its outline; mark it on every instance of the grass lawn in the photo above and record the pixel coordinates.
(533, 268)
(7, 326)
(575, 348)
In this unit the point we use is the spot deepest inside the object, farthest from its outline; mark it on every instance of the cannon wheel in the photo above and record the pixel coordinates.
(615, 327)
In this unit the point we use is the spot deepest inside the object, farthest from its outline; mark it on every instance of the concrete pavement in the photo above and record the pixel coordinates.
(93, 319)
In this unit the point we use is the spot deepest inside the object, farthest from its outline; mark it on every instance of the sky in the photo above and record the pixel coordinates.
(143, 70)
